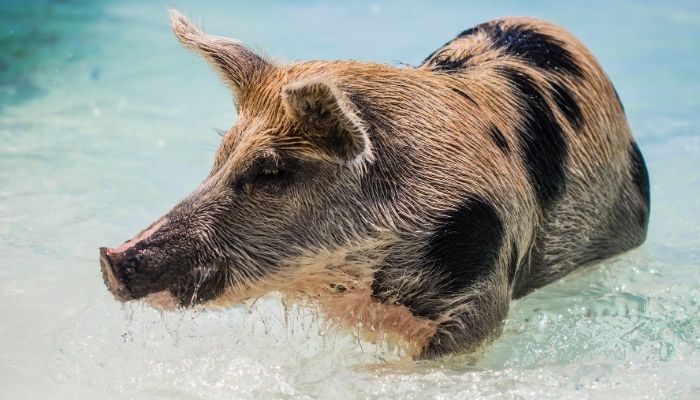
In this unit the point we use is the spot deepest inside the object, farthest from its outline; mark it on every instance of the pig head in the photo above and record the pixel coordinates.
(285, 184)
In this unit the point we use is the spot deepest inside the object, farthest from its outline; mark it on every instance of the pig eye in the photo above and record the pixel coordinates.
(265, 172)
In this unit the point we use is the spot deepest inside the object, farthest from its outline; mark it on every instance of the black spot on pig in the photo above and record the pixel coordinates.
(538, 49)
(465, 245)
(541, 138)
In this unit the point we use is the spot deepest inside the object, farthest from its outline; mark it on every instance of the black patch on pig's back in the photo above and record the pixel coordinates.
(465, 245)
(541, 138)
(536, 48)
(527, 43)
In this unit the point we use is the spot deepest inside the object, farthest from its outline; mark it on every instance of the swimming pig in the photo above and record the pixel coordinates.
(414, 203)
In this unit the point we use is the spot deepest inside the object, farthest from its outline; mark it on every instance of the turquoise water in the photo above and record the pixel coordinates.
(105, 122)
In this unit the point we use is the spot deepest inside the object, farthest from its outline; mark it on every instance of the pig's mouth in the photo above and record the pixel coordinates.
(164, 299)
(166, 290)
(142, 269)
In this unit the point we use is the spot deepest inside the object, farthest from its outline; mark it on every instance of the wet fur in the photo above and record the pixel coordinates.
(338, 283)
(431, 196)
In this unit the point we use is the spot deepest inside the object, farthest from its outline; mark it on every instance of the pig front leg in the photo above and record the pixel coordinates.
(469, 325)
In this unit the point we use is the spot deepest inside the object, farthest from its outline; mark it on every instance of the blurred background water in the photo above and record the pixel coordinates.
(105, 122)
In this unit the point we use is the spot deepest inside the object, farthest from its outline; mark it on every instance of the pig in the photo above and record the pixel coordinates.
(409, 203)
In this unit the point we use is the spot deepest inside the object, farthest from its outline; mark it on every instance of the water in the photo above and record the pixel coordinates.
(105, 122)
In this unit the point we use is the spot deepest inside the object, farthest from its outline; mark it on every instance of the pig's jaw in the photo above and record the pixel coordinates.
(338, 283)
(163, 300)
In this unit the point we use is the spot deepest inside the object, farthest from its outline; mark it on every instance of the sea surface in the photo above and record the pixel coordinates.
(105, 122)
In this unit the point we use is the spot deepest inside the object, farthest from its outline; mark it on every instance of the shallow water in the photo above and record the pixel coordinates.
(105, 122)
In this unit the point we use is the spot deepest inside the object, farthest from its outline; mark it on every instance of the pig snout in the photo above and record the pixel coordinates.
(122, 266)
(117, 269)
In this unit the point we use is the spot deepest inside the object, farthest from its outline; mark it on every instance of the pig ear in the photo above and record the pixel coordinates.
(330, 120)
(233, 61)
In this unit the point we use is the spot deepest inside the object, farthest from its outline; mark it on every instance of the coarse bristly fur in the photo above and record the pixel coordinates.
(411, 203)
